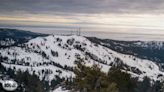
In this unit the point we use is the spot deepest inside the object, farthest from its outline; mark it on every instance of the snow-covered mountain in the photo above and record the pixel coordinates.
(9, 37)
(55, 55)
(151, 50)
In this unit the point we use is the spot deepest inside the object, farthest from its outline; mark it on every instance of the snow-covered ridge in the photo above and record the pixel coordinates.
(7, 42)
(55, 55)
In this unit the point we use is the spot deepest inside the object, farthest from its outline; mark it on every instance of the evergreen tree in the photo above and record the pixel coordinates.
(91, 79)
(29, 83)
(123, 80)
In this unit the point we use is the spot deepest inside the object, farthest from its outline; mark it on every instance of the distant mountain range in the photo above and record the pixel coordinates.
(51, 55)
(151, 50)
(9, 37)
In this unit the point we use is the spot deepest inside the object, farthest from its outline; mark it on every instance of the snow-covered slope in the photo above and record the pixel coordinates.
(61, 90)
(55, 55)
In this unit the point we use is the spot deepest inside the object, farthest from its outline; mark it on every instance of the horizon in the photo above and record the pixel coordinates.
(102, 35)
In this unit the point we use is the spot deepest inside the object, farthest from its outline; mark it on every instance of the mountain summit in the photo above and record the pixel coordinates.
(53, 57)
(56, 53)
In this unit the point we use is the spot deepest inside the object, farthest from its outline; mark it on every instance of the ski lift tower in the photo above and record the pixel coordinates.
(79, 31)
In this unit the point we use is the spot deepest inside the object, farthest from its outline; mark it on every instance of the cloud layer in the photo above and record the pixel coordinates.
(82, 6)
(118, 14)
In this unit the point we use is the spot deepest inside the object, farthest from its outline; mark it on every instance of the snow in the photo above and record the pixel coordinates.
(7, 42)
(60, 90)
(67, 55)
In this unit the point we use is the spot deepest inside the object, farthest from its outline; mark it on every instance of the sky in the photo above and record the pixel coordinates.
(119, 16)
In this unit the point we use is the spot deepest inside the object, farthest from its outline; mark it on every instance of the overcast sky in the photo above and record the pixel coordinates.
(131, 16)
